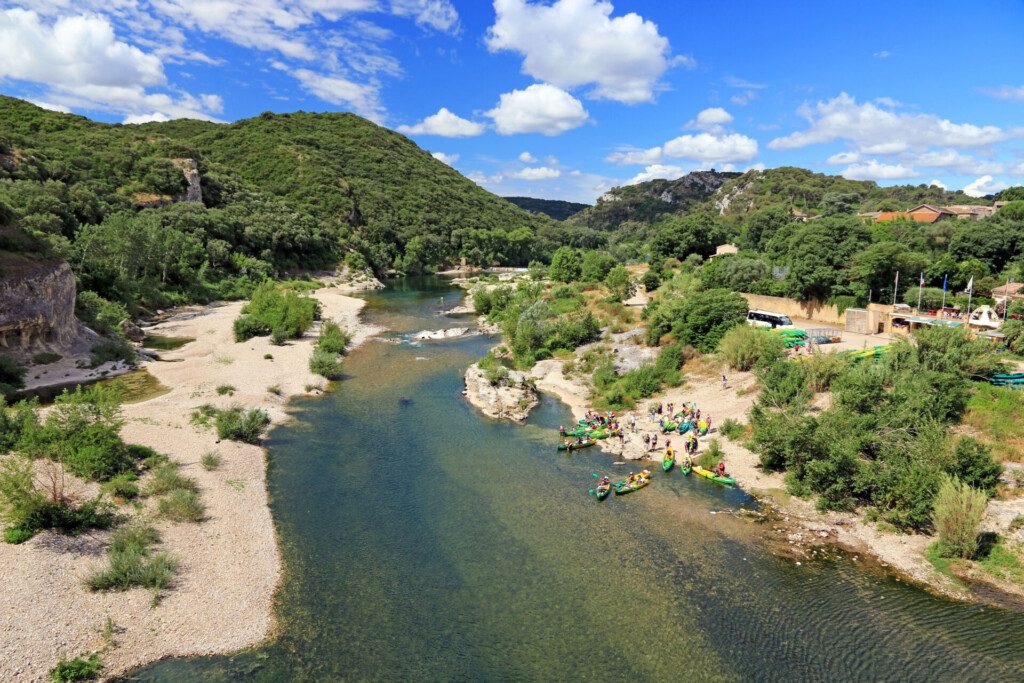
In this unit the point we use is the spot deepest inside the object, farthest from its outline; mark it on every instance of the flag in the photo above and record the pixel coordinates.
(921, 281)
(970, 285)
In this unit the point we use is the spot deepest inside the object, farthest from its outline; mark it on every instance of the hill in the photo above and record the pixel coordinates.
(646, 202)
(554, 208)
(275, 193)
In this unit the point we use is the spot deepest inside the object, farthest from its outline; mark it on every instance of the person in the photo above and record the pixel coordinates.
(660, 411)
(632, 421)
(561, 430)
(654, 442)
(647, 442)
(720, 469)
(725, 382)
(669, 453)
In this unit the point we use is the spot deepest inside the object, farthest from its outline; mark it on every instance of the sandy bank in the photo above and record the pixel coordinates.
(230, 564)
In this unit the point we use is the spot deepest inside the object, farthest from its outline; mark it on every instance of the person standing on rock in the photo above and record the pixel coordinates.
(654, 442)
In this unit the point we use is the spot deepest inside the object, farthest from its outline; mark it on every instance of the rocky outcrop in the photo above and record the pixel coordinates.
(37, 305)
(450, 333)
(349, 280)
(510, 397)
(194, 193)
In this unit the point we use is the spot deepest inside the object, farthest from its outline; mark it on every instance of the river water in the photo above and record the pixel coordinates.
(422, 541)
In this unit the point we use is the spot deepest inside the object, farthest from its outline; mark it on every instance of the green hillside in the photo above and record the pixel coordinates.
(280, 192)
(554, 208)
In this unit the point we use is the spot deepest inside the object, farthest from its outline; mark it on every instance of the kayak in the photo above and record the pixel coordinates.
(602, 491)
(685, 426)
(576, 446)
(668, 461)
(707, 474)
(599, 434)
(686, 466)
(668, 426)
(622, 488)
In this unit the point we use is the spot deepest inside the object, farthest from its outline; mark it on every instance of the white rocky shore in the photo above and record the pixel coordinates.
(511, 397)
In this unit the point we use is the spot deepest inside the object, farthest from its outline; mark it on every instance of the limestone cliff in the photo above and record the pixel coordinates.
(194, 192)
(37, 304)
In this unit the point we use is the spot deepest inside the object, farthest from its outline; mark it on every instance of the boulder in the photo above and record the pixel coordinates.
(132, 331)
(511, 397)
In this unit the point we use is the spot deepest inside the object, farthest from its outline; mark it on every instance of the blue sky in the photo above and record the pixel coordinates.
(565, 99)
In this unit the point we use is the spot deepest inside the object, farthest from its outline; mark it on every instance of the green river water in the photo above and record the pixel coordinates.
(423, 541)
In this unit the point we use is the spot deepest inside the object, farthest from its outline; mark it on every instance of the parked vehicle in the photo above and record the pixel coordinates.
(768, 319)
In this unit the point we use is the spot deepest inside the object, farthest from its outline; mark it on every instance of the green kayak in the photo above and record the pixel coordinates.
(686, 466)
(599, 434)
(668, 460)
(576, 446)
(602, 491)
(623, 487)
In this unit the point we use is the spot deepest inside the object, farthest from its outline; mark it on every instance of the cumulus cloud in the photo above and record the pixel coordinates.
(935, 182)
(872, 169)
(146, 118)
(843, 158)
(631, 156)
(362, 98)
(712, 118)
(436, 14)
(540, 108)
(572, 43)
(873, 129)
(712, 148)
(445, 158)
(657, 171)
(961, 163)
(51, 106)
(1007, 92)
(539, 173)
(527, 158)
(984, 185)
(445, 124)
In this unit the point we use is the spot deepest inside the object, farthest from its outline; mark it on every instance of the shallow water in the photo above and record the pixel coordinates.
(423, 541)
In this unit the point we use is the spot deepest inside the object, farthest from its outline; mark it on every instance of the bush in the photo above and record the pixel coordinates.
(651, 280)
(699, 320)
(225, 390)
(821, 369)
(565, 265)
(241, 425)
(494, 372)
(249, 326)
(973, 465)
(325, 363)
(101, 315)
(333, 338)
(619, 283)
(16, 534)
(182, 506)
(124, 486)
(210, 461)
(745, 347)
(45, 358)
(273, 310)
(131, 563)
(12, 376)
(596, 265)
(731, 429)
(107, 457)
(711, 457)
(959, 510)
(111, 351)
(77, 669)
(166, 479)
(275, 389)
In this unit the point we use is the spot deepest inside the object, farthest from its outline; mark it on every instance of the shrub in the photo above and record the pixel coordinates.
(702, 318)
(182, 506)
(822, 369)
(973, 465)
(268, 356)
(111, 351)
(77, 669)
(494, 372)
(249, 326)
(166, 479)
(45, 358)
(333, 338)
(273, 310)
(107, 457)
(101, 315)
(619, 283)
(274, 389)
(959, 510)
(651, 280)
(596, 265)
(711, 457)
(241, 425)
(124, 486)
(670, 361)
(278, 336)
(482, 301)
(16, 534)
(131, 563)
(744, 347)
(565, 265)
(210, 461)
(731, 429)
(325, 363)
(12, 376)
(225, 390)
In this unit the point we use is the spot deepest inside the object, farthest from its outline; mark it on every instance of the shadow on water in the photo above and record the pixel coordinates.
(424, 542)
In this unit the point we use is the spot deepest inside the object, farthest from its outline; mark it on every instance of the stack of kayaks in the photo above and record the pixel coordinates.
(1014, 380)
(793, 338)
(572, 446)
(624, 487)
(707, 474)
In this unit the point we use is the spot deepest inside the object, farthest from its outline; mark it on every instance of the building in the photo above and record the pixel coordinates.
(923, 213)
(971, 212)
(1013, 291)
(723, 249)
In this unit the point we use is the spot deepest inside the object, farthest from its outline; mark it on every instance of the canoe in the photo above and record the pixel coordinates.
(599, 434)
(686, 466)
(667, 461)
(576, 446)
(707, 474)
(602, 491)
(622, 488)
(668, 426)
(685, 427)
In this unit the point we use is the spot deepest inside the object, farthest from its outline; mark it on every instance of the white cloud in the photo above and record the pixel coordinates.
(445, 158)
(540, 108)
(961, 163)
(656, 171)
(571, 43)
(146, 118)
(883, 54)
(712, 118)
(437, 14)
(551, 159)
(870, 127)
(632, 156)
(709, 148)
(935, 182)
(445, 124)
(983, 186)
(843, 158)
(51, 106)
(872, 169)
(539, 173)
(1007, 92)
(363, 99)
(527, 158)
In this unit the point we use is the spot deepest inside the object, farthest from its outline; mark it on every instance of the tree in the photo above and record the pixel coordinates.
(839, 203)
(565, 265)
(732, 271)
(680, 236)
(596, 265)
(875, 268)
(703, 318)
(958, 511)
(619, 283)
(819, 252)
(762, 225)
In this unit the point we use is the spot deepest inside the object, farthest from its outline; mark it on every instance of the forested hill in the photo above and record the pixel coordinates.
(278, 192)
(555, 208)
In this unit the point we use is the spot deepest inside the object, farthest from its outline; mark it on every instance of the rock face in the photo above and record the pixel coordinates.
(450, 333)
(512, 397)
(191, 171)
(37, 305)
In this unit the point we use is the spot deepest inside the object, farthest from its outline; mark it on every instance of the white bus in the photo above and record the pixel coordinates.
(766, 319)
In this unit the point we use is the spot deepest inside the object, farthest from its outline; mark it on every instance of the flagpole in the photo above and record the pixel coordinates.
(920, 289)
(1006, 299)
(970, 293)
(896, 288)
(944, 277)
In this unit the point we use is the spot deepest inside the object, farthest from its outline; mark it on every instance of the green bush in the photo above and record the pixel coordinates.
(651, 280)
(100, 461)
(124, 486)
(283, 313)
(249, 326)
(132, 563)
(12, 376)
(225, 390)
(959, 510)
(821, 369)
(731, 429)
(711, 457)
(77, 669)
(167, 479)
(973, 465)
(744, 347)
(596, 266)
(99, 314)
(241, 425)
(325, 363)
(333, 338)
(565, 265)
(111, 351)
(482, 300)
(494, 371)
(45, 358)
(210, 461)
(182, 506)
(16, 534)
(700, 319)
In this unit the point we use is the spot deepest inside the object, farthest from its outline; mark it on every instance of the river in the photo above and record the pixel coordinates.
(423, 541)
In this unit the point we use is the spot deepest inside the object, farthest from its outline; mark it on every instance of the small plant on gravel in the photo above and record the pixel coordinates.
(226, 390)
(166, 479)
(333, 338)
(325, 363)
(274, 389)
(712, 456)
(311, 387)
(132, 564)
(77, 669)
(124, 486)
(241, 425)
(202, 415)
(268, 356)
(957, 515)
(211, 461)
(731, 429)
(182, 506)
